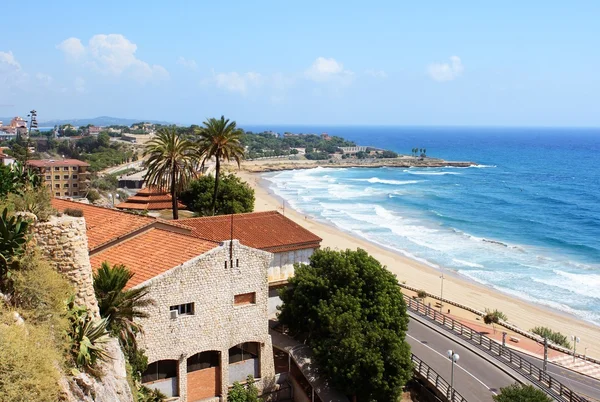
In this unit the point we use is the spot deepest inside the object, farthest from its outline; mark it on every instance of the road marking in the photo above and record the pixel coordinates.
(462, 368)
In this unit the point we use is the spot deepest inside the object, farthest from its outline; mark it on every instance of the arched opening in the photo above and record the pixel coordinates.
(162, 375)
(244, 360)
(203, 375)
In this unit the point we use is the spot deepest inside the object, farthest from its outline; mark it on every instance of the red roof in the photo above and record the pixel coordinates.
(152, 253)
(56, 162)
(149, 199)
(104, 225)
(269, 231)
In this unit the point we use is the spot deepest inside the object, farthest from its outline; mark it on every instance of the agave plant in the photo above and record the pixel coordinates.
(86, 335)
(13, 237)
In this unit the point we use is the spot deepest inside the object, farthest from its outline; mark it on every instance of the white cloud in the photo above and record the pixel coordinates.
(446, 71)
(189, 64)
(8, 63)
(328, 70)
(79, 85)
(72, 48)
(376, 73)
(112, 54)
(44, 79)
(236, 82)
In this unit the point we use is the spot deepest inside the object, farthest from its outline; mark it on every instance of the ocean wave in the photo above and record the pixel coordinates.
(420, 173)
(467, 263)
(385, 181)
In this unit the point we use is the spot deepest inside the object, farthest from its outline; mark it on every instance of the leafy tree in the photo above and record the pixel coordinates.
(239, 393)
(235, 196)
(555, 337)
(389, 154)
(220, 139)
(103, 140)
(421, 294)
(352, 313)
(118, 306)
(521, 393)
(171, 163)
(493, 317)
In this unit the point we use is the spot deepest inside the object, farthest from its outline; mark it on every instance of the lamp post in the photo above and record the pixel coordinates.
(113, 195)
(442, 293)
(575, 340)
(453, 358)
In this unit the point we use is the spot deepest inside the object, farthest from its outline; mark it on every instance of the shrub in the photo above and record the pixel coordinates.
(93, 195)
(86, 336)
(75, 212)
(555, 337)
(28, 369)
(521, 393)
(13, 237)
(421, 294)
(145, 394)
(36, 200)
(239, 393)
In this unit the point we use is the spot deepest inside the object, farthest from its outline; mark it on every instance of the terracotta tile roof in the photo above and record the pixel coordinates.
(268, 231)
(56, 162)
(149, 199)
(152, 253)
(105, 225)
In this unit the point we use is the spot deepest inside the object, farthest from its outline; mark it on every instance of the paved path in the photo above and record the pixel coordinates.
(474, 378)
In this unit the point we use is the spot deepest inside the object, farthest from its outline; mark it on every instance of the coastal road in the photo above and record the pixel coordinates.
(426, 343)
(474, 378)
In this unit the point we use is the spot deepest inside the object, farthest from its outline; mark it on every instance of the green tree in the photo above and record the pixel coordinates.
(239, 393)
(171, 163)
(118, 306)
(521, 393)
(235, 196)
(220, 138)
(493, 317)
(352, 313)
(103, 140)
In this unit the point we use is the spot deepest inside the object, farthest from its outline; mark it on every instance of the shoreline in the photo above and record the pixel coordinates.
(521, 313)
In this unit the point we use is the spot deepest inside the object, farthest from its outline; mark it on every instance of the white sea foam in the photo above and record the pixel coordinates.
(385, 181)
(422, 173)
(467, 263)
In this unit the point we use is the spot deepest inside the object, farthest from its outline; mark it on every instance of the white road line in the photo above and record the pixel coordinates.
(462, 368)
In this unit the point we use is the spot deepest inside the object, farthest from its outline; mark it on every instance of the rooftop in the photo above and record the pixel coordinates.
(149, 199)
(269, 231)
(56, 162)
(152, 253)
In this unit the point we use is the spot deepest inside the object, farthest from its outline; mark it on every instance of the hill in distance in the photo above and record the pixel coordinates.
(97, 121)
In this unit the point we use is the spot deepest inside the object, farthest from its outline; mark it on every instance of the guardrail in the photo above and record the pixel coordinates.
(436, 380)
(508, 325)
(546, 382)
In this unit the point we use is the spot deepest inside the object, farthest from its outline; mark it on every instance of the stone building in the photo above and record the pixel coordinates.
(63, 177)
(209, 325)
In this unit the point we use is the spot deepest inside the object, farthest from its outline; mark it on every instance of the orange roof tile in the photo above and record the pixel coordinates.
(152, 253)
(56, 162)
(268, 231)
(104, 225)
(149, 199)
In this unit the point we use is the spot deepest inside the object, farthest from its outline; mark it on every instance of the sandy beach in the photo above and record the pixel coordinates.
(520, 313)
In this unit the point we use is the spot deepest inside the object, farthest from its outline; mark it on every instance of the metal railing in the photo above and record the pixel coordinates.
(436, 380)
(546, 382)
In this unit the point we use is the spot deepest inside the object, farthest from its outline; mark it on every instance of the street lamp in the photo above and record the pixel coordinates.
(113, 195)
(454, 358)
(442, 293)
(575, 340)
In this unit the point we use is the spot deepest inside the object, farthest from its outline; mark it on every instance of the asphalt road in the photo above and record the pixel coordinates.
(486, 373)
(474, 378)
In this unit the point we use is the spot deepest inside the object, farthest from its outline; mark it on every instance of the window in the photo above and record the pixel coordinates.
(57, 177)
(75, 176)
(48, 177)
(184, 309)
(202, 360)
(66, 193)
(66, 176)
(74, 167)
(57, 194)
(75, 193)
(75, 185)
(244, 351)
(66, 185)
(56, 168)
(245, 298)
(160, 370)
(57, 185)
(66, 168)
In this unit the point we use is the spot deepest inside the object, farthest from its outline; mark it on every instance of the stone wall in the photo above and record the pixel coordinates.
(217, 324)
(63, 241)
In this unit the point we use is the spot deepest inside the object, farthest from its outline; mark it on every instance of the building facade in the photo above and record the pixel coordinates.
(63, 177)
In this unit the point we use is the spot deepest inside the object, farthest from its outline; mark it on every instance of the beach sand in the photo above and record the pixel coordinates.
(520, 313)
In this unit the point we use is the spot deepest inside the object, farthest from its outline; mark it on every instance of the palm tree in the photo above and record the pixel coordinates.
(119, 306)
(171, 163)
(220, 138)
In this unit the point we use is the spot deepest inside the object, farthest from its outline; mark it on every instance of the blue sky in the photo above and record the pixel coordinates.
(513, 63)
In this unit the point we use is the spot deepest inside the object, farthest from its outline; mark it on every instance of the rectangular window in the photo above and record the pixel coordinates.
(184, 309)
(74, 167)
(56, 168)
(57, 177)
(66, 176)
(75, 176)
(57, 194)
(202, 360)
(244, 298)
(66, 185)
(66, 193)
(66, 168)
(75, 185)
(57, 185)
(244, 351)
(48, 177)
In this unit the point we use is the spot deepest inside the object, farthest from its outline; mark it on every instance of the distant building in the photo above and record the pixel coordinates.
(64, 177)
(149, 199)
(93, 130)
(6, 159)
(353, 150)
(325, 137)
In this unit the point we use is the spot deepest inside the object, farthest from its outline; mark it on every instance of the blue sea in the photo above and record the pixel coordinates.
(525, 220)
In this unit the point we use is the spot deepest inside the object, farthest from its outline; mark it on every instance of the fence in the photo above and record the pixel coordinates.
(533, 373)
(436, 380)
